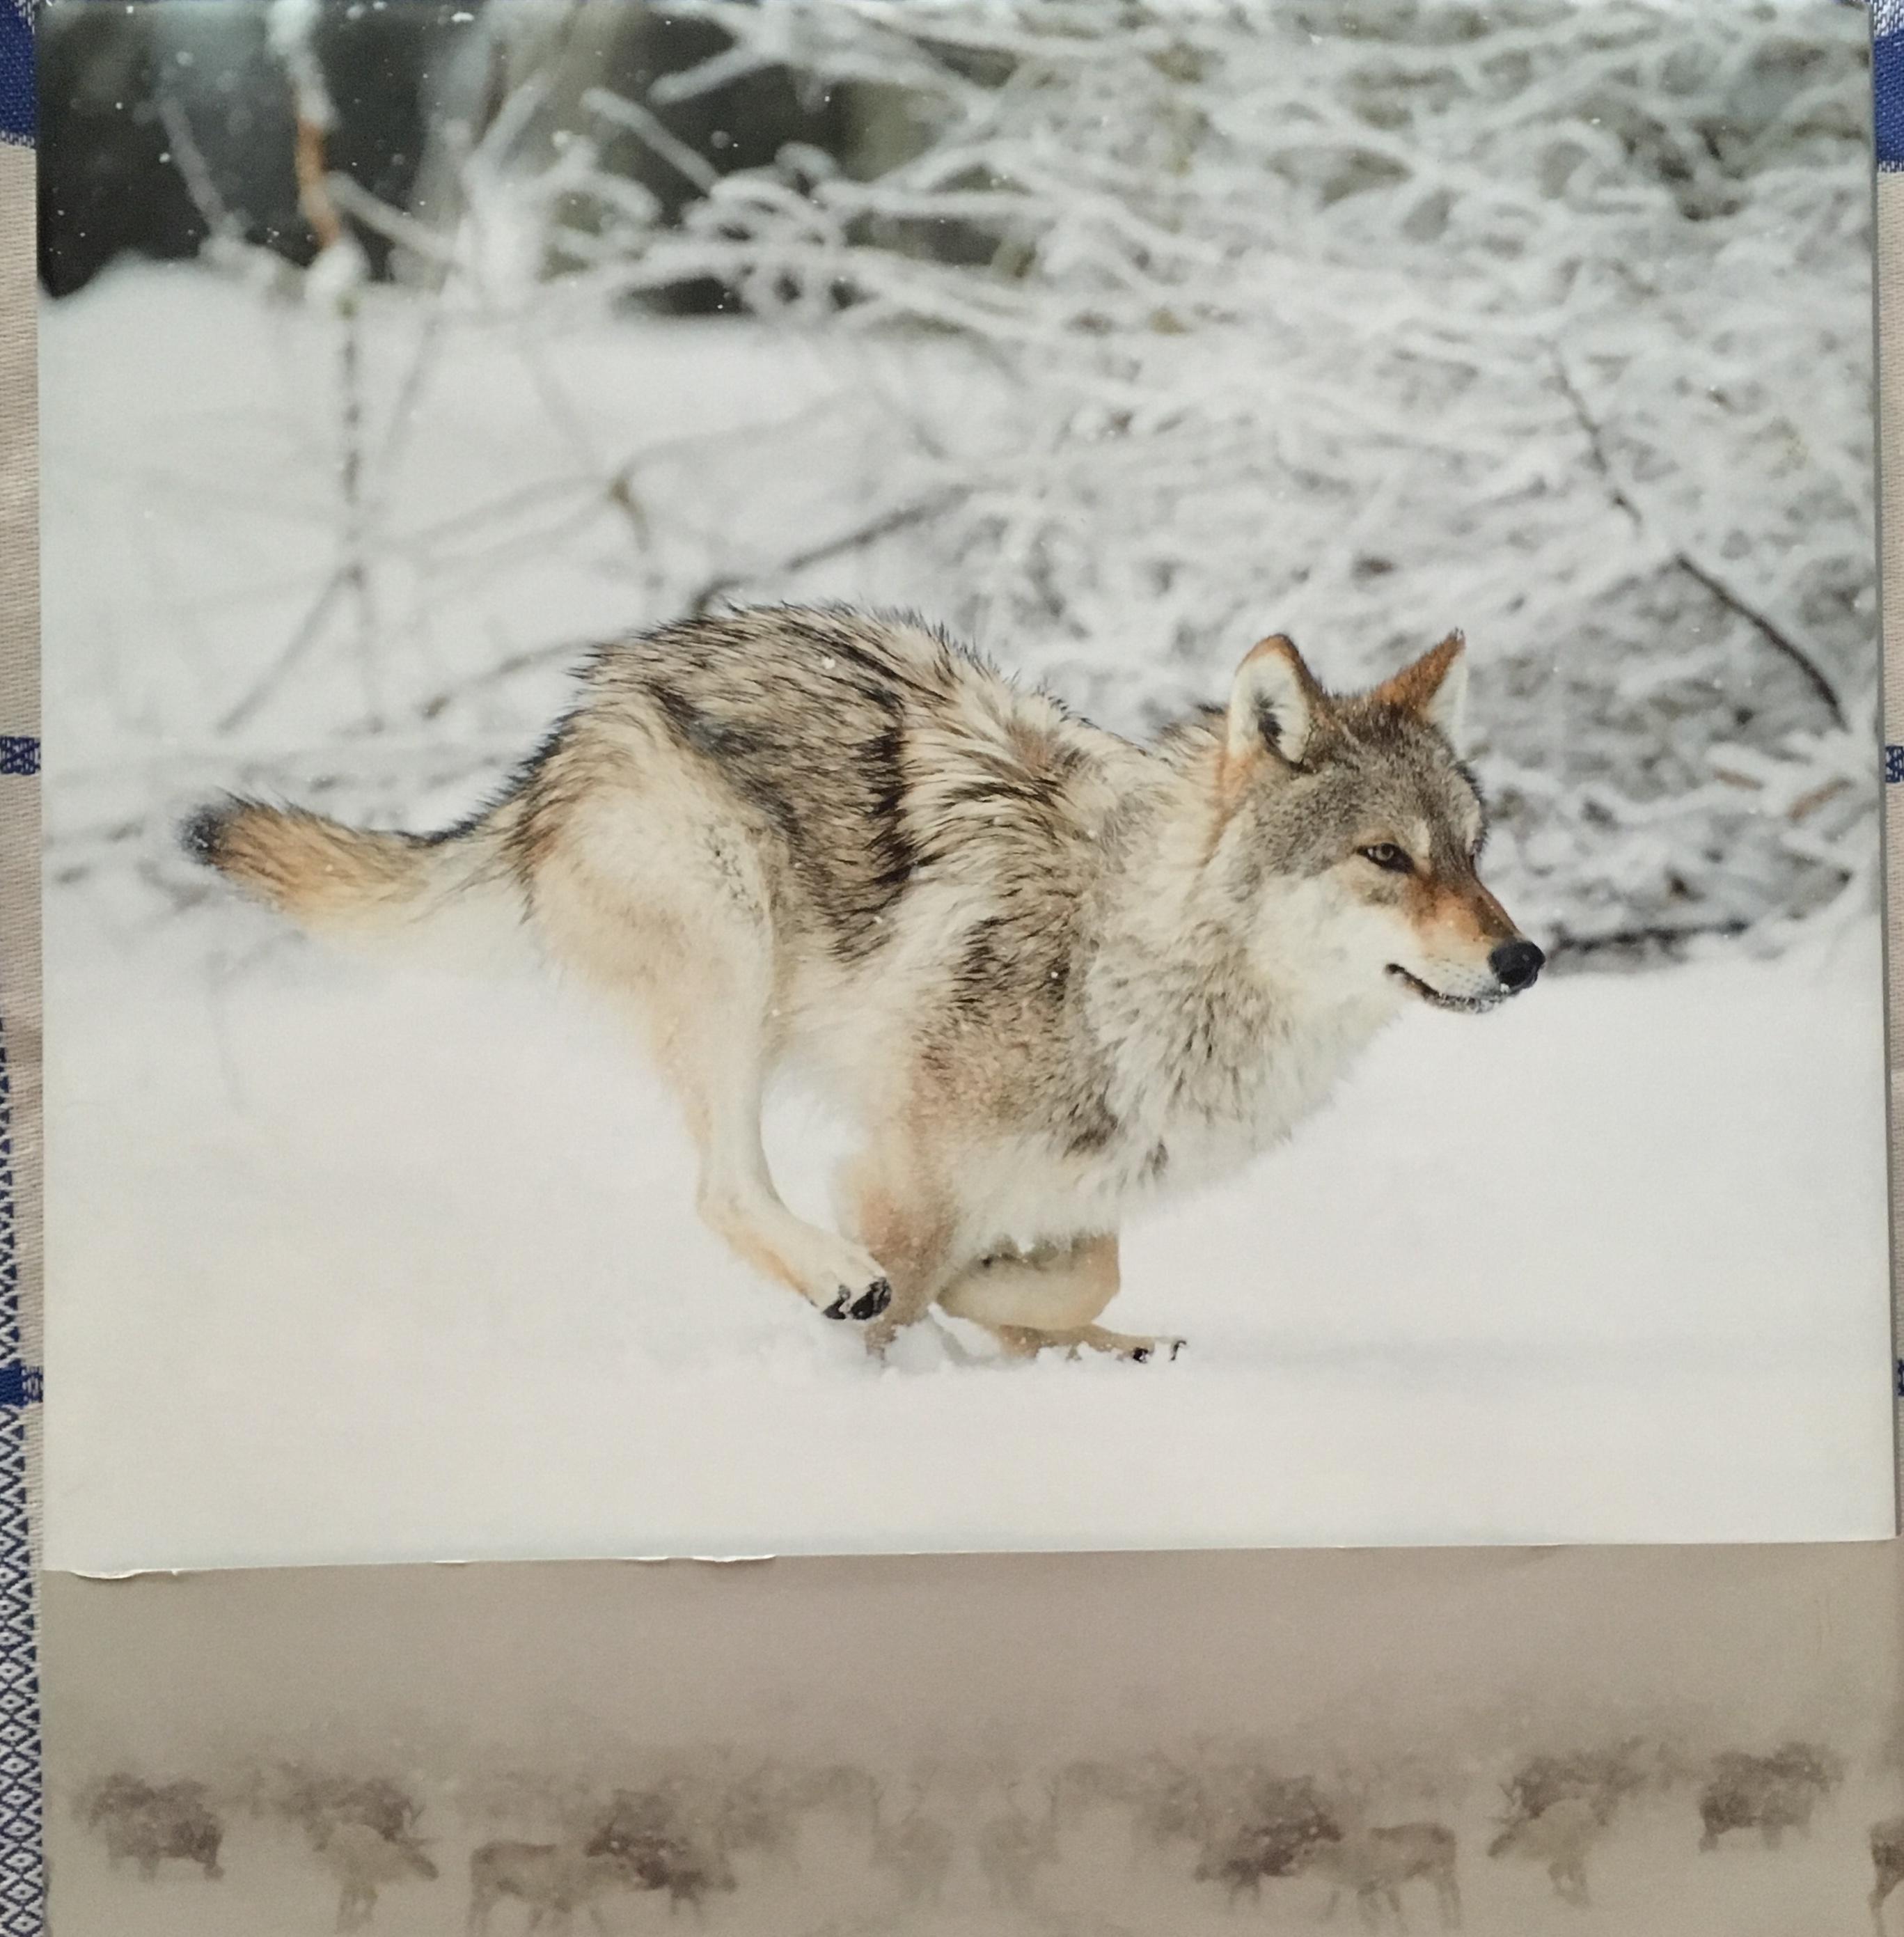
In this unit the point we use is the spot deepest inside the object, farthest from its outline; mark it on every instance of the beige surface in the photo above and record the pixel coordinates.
(1890, 379)
(510, 1702)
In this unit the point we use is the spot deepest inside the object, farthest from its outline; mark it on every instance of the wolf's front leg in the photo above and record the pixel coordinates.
(842, 1281)
(893, 1209)
(686, 950)
(737, 1199)
(1048, 1299)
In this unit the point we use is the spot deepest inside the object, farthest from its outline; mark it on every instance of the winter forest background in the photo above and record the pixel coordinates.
(1115, 335)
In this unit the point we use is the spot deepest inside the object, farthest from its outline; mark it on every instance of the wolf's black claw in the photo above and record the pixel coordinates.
(869, 1304)
(874, 1299)
(1142, 1356)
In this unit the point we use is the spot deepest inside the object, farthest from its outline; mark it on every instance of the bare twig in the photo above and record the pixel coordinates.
(1663, 938)
(314, 196)
(618, 485)
(189, 158)
(504, 670)
(536, 657)
(261, 689)
(292, 26)
(1774, 634)
(884, 525)
(356, 567)
(392, 224)
(639, 121)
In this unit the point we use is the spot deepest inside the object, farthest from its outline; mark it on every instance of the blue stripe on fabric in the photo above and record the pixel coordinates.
(1888, 82)
(19, 752)
(19, 95)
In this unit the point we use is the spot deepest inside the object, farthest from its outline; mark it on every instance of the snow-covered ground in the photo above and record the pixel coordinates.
(347, 1264)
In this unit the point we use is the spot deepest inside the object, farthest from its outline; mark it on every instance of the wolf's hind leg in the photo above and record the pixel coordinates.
(1055, 1287)
(737, 1199)
(719, 1072)
(688, 955)
(1048, 1299)
(1024, 1341)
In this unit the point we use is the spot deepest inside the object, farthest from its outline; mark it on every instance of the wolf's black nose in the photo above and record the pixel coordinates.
(1515, 964)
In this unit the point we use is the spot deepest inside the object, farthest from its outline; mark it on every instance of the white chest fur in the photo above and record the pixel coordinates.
(1196, 1091)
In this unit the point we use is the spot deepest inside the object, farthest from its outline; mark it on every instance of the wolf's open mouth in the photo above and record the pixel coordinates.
(1472, 1005)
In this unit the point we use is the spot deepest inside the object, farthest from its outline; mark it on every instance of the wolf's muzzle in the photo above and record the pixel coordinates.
(1515, 964)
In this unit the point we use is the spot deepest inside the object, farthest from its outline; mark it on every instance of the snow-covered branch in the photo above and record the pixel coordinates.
(1263, 310)
(1119, 336)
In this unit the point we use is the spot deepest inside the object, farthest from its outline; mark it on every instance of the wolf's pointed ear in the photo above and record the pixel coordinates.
(1434, 689)
(1275, 703)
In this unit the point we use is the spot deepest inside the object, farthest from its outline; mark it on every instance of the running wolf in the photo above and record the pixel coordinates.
(1053, 975)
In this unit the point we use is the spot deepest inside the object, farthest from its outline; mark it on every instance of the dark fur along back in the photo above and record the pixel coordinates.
(871, 751)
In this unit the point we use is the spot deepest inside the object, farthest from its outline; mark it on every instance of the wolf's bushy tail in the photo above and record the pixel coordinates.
(356, 885)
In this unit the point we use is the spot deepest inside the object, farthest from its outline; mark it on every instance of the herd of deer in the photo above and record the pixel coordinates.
(1239, 1824)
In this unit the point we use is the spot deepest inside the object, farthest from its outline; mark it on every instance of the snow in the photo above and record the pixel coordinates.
(352, 1265)
(178, 572)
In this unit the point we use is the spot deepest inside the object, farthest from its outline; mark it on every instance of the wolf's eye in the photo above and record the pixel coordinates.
(1386, 854)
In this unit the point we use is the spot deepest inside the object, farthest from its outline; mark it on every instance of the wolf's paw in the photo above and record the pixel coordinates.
(1134, 1348)
(861, 1302)
(1155, 1348)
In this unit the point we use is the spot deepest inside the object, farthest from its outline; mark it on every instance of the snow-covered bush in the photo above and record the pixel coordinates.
(1360, 319)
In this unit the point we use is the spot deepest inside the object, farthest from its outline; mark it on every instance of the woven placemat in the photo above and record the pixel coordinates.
(22, 1885)
(21, 1898)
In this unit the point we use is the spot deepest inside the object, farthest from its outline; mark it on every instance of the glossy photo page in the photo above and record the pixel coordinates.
(838, 776)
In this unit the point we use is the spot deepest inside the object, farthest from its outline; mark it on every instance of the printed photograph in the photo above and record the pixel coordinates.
(826, 775)
(1639, 1742)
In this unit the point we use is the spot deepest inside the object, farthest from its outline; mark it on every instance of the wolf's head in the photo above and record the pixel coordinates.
(1351, 831)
